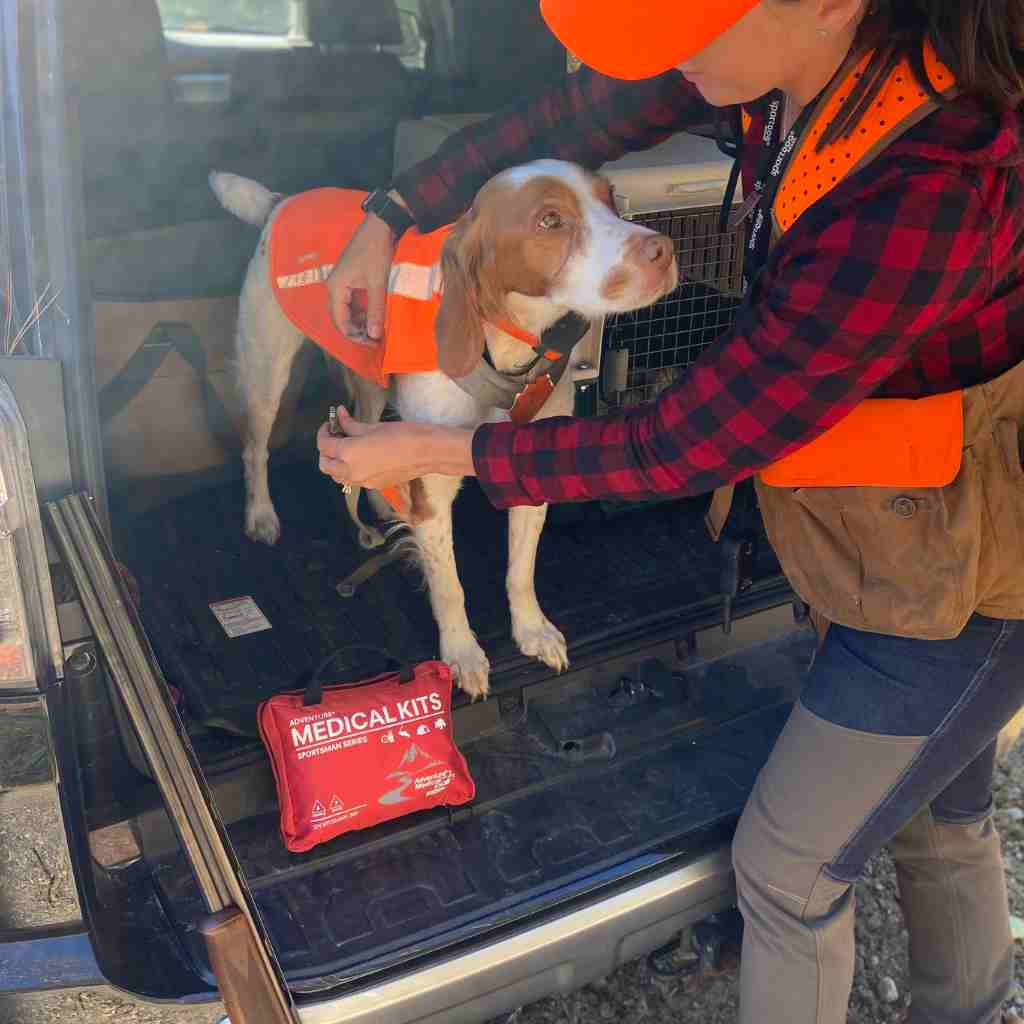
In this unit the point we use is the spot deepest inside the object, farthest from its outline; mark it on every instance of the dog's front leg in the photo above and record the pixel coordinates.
(459, 647)
(534, 635)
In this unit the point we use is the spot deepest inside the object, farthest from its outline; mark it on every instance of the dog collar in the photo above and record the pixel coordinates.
(524, 393)
(515, 331)
(556, 340)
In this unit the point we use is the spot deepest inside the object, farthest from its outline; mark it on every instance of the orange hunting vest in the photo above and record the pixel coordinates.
(882, 442)
(907, 516)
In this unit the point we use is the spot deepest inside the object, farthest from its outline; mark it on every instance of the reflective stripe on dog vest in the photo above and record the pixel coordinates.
(882, 442)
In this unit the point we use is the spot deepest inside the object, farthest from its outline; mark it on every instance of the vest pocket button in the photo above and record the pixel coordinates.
(904, 507)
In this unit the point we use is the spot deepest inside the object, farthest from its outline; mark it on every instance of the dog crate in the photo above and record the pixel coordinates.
(677, 189)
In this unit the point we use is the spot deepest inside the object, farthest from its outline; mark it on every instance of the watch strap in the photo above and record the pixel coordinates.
(396, 217)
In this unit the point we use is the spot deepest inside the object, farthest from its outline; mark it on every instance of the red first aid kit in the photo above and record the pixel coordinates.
(353, 755)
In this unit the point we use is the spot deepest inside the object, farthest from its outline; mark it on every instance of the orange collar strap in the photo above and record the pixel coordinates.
(562, 335)
(517, 332)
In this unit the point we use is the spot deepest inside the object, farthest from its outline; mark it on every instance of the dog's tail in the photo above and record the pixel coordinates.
(246, 199)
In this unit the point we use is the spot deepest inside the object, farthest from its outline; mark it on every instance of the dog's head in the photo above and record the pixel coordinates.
(549, 230)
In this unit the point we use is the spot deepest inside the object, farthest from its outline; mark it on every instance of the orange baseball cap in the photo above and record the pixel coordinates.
(634, 39)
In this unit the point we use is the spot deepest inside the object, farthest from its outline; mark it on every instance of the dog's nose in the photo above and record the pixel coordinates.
(657, 250)
(650, 251)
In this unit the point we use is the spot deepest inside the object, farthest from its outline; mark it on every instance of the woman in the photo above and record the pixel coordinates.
(884, 145)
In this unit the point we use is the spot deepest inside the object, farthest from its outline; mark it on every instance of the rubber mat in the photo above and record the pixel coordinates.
(280, 614)
(539, 823)
(402, 895)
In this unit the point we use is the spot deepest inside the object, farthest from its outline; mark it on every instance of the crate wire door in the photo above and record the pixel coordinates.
(663, 340)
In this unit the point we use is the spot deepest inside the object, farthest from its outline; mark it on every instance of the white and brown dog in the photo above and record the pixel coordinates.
(540, 241)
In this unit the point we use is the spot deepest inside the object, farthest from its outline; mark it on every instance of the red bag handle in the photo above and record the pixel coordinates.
(315, 688)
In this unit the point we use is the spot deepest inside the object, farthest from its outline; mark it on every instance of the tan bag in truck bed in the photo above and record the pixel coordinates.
(167, 393)
(165, 396)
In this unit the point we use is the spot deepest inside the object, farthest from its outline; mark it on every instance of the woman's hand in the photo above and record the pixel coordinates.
(383, 454)
(357, 286)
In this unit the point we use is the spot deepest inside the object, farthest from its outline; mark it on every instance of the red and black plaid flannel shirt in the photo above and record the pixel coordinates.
(904, 281)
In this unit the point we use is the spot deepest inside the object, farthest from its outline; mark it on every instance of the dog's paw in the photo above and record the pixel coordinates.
(263, 526)
(543, 641)
(470, 667)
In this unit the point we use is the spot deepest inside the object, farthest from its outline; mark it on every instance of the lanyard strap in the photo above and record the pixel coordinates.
(775, 157)
(776, 153)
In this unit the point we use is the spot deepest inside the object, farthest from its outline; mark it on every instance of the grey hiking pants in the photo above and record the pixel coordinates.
(892, 742)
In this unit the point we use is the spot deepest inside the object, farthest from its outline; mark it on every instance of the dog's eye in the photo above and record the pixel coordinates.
(550, 221)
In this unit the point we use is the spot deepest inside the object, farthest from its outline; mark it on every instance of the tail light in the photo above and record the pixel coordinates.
(30, 648)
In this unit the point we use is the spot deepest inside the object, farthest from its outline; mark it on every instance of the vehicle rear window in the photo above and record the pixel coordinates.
(262, 17)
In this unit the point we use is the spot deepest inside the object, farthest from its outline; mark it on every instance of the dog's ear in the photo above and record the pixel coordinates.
(459, 327)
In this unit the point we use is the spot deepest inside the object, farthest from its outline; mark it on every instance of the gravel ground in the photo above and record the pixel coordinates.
(880, 993)
(633, 994)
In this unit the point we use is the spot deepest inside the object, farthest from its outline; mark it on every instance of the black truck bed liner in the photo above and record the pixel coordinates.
(577, 777)
(593, 573)
(543, 826)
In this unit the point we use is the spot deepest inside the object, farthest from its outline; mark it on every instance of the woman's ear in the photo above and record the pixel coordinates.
(459, 327)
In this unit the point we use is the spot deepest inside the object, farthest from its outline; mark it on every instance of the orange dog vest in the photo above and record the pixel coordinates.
(309, 233)
(883, 442)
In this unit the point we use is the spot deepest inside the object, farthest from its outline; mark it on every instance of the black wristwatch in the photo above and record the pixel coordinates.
(395, 216)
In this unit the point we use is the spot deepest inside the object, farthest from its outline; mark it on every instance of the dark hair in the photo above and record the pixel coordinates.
(978, 40)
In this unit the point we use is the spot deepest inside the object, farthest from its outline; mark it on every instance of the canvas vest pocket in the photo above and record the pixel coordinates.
(889, 560)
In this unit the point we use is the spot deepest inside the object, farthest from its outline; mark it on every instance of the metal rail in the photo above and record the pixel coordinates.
(175, 768)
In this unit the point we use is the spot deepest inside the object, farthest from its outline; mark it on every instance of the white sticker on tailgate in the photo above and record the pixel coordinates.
(240, 616)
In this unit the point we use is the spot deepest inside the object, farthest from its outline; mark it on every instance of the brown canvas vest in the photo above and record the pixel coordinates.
(904, 560)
